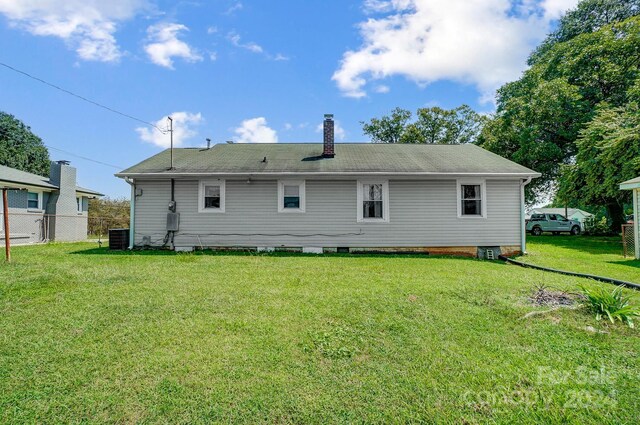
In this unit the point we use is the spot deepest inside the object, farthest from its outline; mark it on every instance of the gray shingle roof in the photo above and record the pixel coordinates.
(350, 158)
(13, 176)
(17, 178)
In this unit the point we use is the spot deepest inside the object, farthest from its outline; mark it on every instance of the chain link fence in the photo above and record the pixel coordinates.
(628, 240)
(29, 227)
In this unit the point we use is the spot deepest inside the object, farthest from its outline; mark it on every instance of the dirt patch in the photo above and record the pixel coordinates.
(549, 297)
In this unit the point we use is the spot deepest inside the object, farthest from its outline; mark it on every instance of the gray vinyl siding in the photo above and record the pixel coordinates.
(25, 225)
(422, 213)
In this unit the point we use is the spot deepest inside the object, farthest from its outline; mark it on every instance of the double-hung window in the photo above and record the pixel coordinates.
(291, 196)
(211, 195)
(472, 198)
(79, 203)
(34, 200)
(373, 201)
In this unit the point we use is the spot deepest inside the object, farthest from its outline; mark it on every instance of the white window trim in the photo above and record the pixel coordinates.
(301, 184)
(80, 206)
(201, 185)
(483, 192)
(40, 201)
(385, 201)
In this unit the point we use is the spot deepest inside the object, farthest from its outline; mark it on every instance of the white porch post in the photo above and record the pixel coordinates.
(636, 221)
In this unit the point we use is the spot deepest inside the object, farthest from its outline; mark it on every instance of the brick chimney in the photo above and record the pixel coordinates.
(328, 132)
(65, 224)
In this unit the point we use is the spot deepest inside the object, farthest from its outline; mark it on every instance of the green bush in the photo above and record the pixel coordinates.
(597, 226)
(614, 305)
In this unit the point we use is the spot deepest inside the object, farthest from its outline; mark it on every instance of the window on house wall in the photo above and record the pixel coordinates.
(211, 196)
(33, 200)
(373, 201)
(471, 199)
(79, 203)
(291, 196)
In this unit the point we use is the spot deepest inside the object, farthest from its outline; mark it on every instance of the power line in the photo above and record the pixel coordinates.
(83, 98)
(85, 158)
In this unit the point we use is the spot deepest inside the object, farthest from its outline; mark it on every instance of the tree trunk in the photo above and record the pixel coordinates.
(616, 215)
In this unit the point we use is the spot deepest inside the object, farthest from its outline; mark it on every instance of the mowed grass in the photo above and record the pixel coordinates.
(87, 335)
(597, 255)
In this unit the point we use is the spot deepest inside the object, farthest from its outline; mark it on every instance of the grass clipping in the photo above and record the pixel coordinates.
(545, 296)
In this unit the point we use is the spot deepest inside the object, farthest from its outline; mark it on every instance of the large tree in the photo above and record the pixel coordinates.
(608, 153)
(589, 16)
(432, 125)
(540, 116)
(20, 148)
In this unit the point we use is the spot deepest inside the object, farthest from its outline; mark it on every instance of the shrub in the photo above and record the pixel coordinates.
(614, 305)
(597, 227)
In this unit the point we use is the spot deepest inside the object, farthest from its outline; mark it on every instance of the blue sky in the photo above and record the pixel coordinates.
(249, 70)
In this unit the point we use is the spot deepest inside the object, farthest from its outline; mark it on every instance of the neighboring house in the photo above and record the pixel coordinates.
(634, 184)
(321, 197)
(45, 208)
(571, 213)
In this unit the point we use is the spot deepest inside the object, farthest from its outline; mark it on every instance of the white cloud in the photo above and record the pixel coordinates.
(87, 26)
(554, 9)
(212, 30)
(183, 129)
(234, 8)
(163, 45)
(481, 42)
(288, 126)
(338, 132)
(381, 88)
(235, 39)
(256, 130)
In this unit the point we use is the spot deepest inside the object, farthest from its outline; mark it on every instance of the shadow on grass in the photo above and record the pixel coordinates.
(628, 263)
(239, 253)
(596, 245)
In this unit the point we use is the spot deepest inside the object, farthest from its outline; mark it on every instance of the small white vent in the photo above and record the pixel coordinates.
(489, 255)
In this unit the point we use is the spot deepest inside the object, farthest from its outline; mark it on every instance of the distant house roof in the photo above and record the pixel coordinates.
(570, 211)
(350, 158)
(631, 184)
(10, 177)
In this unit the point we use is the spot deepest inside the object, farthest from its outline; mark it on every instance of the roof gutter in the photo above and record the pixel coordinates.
(529, 175)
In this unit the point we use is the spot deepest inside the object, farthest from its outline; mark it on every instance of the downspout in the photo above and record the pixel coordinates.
(523, 225)
(132, 212)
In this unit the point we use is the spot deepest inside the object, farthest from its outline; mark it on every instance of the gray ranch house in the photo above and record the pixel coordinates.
(44, 209)
(347, 197)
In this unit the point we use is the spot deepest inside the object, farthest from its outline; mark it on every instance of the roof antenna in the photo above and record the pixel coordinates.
(208, 143)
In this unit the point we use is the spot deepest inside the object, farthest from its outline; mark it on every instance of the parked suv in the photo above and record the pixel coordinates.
(554, 223)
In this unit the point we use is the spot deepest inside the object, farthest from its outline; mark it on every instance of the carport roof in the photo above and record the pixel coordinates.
(631, 184)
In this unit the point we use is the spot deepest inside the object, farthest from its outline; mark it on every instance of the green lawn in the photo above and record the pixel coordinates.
(584, 254)
(87, 335)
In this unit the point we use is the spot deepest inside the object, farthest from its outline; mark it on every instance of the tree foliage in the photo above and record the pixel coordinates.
(20, 148)
(432, 125)
(589, 16)
(108, 213)
(540, 117)
(608, 152)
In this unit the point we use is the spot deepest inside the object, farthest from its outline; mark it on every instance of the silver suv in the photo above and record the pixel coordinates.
(554, 223)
